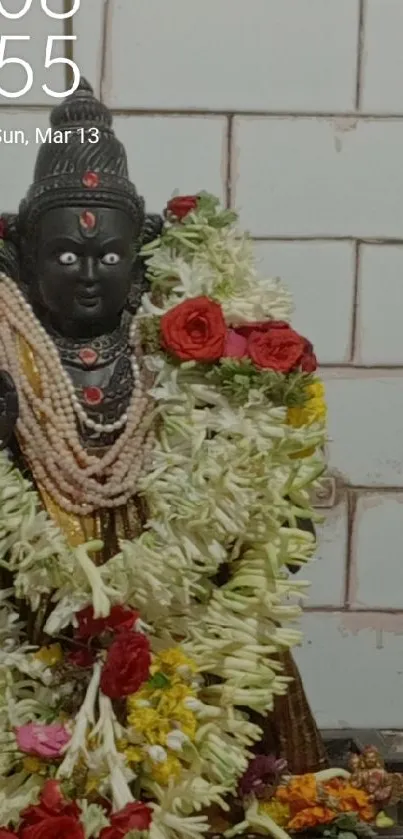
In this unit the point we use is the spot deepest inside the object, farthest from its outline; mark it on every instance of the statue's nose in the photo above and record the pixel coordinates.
(89, 269)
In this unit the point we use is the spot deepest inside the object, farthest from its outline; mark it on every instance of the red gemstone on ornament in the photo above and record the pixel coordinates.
(88, 356)
(91, 180)
(88, 220)
(93, 395)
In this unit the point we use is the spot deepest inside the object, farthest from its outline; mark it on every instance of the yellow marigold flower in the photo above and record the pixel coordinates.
(314, 410)
(134, 754)
(50, 656)
(172, 660)
(186, 722)
(280, 813)
(162, 773)
(149, 723)
(175, 695)
(34, 766)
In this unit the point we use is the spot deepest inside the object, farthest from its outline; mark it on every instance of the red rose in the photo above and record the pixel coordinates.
(236, 345)
(127, 665)
(195, 330)
(52, 817)
(309, 362)
(119, 618)
(80, 658)
(246, 329)
(277, 348)
(182, 205)
(7, 834)
(136, 816)
(51, 804)
(58, 827)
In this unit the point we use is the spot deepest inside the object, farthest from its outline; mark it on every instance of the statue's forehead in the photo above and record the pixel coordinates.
(69, 220)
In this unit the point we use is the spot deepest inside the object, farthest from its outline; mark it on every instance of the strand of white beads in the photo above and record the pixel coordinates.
(49, 420)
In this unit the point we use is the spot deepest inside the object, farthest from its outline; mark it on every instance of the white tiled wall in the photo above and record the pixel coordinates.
(292, 111)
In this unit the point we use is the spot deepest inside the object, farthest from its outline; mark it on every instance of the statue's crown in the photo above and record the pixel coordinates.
(82, 163)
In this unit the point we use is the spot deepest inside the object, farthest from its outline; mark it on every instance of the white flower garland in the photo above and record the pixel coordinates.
(225, 478)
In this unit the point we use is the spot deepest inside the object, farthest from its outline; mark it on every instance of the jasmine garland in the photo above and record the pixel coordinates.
(239, 425)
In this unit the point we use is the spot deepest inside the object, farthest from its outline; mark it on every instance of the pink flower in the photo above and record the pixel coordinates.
(235, 345)
(47, 741)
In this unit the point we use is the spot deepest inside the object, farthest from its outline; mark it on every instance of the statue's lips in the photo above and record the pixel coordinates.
(88, 300)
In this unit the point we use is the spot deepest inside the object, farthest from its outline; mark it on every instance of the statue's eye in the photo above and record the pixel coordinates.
(68, 258)
(111, 259)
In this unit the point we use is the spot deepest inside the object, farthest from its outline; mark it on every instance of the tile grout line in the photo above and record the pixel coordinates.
(307, 237)
(104, 47)
(348, 365)
(355, 302)
(205, 112)
(360, 53)
(229, 161)
(351, 511)
(376, 610)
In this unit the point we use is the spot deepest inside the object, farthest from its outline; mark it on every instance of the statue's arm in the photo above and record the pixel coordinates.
(8, 408)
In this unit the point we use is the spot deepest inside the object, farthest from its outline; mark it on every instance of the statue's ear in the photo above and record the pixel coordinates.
(152, 227)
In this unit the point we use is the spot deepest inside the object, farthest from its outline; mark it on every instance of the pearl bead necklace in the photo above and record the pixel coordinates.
(48, 424)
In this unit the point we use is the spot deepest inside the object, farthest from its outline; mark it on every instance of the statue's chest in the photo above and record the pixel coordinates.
(102, 376)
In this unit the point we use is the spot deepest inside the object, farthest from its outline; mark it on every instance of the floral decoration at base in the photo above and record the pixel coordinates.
(333, 803)
(132, 715)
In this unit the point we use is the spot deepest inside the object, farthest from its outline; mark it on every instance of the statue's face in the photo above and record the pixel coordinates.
(84, 272)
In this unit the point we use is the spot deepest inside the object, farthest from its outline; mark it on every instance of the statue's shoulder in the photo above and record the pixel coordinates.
(10, 246)
(8, 408)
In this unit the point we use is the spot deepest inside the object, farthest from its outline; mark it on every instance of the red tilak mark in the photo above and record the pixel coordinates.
(93, 395)
(88, 220)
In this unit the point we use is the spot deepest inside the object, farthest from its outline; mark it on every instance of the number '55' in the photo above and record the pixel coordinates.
(49, 61)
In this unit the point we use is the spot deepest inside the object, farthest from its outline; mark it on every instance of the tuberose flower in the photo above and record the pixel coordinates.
(182, 205)
(127, 665)
(195, 330)
(136, 816)
(46, 741)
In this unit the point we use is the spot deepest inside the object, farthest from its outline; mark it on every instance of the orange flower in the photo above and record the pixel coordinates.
(350, 799)
(299, 793)
(311, 817)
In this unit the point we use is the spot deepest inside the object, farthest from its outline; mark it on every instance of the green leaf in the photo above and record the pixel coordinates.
(159, 681)
(236, 378)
